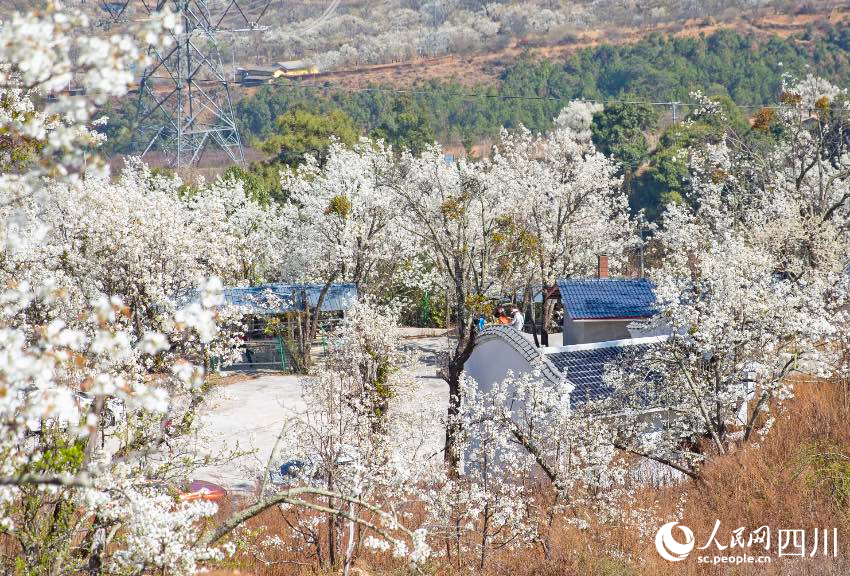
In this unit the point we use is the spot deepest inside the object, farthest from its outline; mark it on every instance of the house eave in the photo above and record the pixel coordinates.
(611, 319)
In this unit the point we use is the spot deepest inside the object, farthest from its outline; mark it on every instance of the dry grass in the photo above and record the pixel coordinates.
(233, 378)
(487, 67)
(790, 481)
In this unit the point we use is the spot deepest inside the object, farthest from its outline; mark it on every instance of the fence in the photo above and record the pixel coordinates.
(268, 354)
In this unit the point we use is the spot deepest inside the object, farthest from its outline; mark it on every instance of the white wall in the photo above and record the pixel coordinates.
(641, 329)
(587, 331)
(490, 361)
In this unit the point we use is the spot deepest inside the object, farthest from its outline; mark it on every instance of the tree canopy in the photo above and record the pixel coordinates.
(299, 132)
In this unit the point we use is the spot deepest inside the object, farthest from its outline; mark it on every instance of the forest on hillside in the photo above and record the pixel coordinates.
(333, 34)
(532, 91)
(741, 70)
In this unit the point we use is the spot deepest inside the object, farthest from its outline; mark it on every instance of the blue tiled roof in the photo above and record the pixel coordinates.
(339, 296)
(277, 298)
(609, 298)
(585, 369)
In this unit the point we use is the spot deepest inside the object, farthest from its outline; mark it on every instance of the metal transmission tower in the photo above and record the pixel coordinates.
(184, 105)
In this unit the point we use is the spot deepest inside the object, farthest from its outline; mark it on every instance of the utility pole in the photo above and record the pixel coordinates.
(184, 105)
(642, 228)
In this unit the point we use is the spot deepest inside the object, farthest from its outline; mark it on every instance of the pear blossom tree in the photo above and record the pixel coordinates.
(92, 269)
(545, 205)
(749, 285)
(451, 212)
(344, 216)
(487, 508)
(69, 346)
(570, 203)
(139, 237)
(363, 437)
(796, 177)
(134, 237)
(738, 332)
(530, 456)
(806, 179)
(246, 239)
(565, 443)
(342, 221)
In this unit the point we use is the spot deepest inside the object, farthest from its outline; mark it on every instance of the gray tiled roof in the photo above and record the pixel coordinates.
(585, 369)
(277, 298)
(525, 348)
(582, 366)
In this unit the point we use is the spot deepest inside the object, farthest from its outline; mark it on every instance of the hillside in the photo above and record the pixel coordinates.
(469, 40)
(481, 35)
(530, 89)
(487, 67)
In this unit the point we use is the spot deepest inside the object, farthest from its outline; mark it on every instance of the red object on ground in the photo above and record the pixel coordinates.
(203, 490)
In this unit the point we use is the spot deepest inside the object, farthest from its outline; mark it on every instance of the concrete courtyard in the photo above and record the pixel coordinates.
(249, 415)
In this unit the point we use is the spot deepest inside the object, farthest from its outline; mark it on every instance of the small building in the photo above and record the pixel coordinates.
(256, 75)
(295, 68)
(577, 372)
(581, 367)
(604, 309)
(270, 315)
(259, 303)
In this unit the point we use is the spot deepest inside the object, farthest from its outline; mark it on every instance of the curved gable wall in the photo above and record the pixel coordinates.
(500, 349)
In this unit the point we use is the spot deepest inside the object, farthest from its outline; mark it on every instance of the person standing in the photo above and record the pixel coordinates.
(517, 319)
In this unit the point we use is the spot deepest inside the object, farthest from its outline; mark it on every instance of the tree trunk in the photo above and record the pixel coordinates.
(452, 375)
(453, 372)
(311, 321)
(349, 549)
(453, 428)
(548, 310)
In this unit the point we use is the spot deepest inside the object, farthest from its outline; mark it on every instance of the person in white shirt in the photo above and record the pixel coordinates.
(517, 319)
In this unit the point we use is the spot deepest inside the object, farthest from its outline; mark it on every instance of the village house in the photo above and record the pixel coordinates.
(270, 311)
(604, 327)
(604, 309)
(604, 324)
(581, 367)
(295, 68)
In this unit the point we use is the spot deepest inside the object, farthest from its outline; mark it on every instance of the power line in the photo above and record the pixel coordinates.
(184, 105)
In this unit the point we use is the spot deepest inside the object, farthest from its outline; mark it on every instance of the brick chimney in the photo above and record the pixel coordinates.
(602, 267)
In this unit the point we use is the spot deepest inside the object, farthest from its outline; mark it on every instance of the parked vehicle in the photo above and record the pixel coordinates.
(189, 491)
(202, 490)
(298, 469)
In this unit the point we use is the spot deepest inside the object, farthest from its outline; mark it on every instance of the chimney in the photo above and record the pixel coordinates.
(602, 267)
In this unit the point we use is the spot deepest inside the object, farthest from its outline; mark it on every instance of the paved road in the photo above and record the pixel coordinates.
(249, 415)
